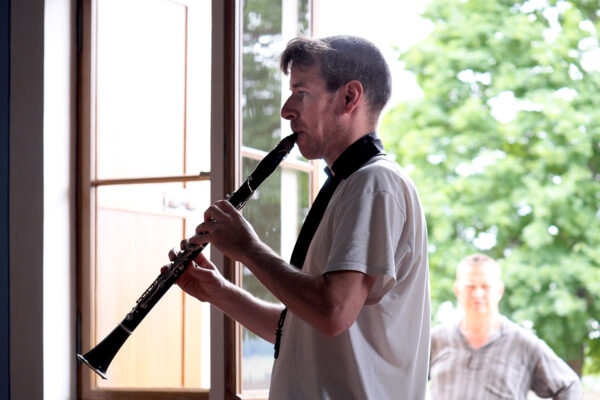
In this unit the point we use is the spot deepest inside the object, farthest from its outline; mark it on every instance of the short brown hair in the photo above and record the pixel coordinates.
(342, 59)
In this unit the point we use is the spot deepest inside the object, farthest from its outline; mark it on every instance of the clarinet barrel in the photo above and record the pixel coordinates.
(100, 356)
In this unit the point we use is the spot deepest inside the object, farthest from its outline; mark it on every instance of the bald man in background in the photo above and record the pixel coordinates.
(484, 355)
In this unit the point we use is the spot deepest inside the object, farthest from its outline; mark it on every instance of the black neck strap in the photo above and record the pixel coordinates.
(357, 155)
(354, 157)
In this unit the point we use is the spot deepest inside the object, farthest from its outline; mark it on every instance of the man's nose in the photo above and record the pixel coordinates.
(287, 112)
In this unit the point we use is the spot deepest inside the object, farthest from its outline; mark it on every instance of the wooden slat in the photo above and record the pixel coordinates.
(290, 163)
(149, 394)
(202, 176)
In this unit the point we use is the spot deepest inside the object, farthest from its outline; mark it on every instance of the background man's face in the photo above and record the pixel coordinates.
(478, 289)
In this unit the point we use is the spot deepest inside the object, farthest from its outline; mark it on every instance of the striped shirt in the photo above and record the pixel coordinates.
(512, 362)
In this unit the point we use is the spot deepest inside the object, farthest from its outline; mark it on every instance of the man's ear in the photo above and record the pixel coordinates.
(353, 93)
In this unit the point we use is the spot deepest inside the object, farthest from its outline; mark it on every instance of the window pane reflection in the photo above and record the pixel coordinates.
(268, 25)
(281, 203)
(276, 212)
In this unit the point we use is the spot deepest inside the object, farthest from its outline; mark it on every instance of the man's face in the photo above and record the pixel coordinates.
(312, 112)
(478, 289)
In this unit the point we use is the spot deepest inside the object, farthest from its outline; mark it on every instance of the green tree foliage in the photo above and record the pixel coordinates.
(504, 146)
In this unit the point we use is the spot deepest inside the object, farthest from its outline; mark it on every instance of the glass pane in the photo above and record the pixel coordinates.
(136, 226)
(152, 87)
(268, 25)
(140, 88)
(276, 212)
(280, 204)
(198, 108)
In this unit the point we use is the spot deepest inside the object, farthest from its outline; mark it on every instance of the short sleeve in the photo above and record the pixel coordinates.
(553, 378)
(367, 231)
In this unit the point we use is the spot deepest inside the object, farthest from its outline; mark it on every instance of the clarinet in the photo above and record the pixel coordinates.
(99, 357)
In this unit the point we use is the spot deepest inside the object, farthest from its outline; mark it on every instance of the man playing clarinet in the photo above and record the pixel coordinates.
(354, 315)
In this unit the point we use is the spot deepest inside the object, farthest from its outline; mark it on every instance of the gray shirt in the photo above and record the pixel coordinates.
(512, 362)
(373, 224)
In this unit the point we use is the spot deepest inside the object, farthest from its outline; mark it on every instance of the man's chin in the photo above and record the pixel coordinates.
(481, 311)
(304, 149)
(307, 155)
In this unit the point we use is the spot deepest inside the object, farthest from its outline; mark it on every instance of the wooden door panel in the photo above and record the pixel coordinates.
(131, 248)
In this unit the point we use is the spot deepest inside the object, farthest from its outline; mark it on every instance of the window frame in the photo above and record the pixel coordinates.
(225, 177)
(86, 219)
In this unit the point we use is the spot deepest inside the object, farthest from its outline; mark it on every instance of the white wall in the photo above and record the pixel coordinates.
(41, 200)
(59, 201)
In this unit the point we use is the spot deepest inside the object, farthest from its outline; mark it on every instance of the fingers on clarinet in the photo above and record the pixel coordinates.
(201, 229)
(225, 205)
(211, 212)
(215, 211)
(183, 244)
(164, 269)
(173, 253)
(197, 239)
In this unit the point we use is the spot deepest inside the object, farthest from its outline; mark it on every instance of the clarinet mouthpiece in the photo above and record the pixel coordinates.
(288, 142)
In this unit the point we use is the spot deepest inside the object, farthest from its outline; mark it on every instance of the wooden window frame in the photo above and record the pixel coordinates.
(86, 387)
(226, 157)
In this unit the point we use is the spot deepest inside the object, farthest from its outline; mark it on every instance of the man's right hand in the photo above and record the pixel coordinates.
(201, 279)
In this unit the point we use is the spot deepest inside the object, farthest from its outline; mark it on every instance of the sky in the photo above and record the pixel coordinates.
(387, 23)
(390, 23)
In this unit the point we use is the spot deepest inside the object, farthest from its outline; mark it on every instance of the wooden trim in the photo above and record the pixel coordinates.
(309, 167)
(254, 395)
(233, 121)
(84, 252)
(225, 168)
(148, 394)
(203, 176)
(314, 183)
(290, 163)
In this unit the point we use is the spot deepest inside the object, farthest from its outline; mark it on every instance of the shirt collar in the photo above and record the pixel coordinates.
(356, 155)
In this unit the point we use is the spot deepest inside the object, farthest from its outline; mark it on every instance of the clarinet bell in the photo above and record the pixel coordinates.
(100, 372)
(99, 358)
